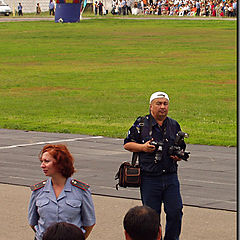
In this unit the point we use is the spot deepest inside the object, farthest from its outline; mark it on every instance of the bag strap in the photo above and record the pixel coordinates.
(135, 155)
(150, 125)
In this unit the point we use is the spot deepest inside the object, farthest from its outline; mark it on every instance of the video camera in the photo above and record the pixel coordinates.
(176, 149)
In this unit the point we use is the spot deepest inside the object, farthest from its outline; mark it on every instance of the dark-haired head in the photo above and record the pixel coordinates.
(141, 223)
(63, 231)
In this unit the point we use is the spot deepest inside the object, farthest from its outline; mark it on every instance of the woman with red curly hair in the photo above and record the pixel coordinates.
(60, 198)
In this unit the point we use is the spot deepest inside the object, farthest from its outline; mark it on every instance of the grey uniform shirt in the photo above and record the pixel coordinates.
(74, 205)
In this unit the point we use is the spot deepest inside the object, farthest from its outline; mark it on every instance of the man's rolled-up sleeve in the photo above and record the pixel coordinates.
(133, 134)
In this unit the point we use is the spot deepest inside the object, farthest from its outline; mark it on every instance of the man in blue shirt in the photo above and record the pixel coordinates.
(51, 8)
(20, 13)
(159, 180)
(198, 6)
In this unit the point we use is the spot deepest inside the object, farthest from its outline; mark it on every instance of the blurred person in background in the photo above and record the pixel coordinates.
(38, 9)
(51, 8)
(100, 8)
(20, 13)
(96, 8)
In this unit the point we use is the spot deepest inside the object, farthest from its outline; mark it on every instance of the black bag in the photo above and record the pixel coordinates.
(129, 174)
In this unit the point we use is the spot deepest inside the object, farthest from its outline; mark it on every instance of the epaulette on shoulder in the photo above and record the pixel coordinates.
(80, 184)
(38, 185)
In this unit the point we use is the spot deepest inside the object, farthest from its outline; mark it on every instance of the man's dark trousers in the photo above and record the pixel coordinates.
(164, 188)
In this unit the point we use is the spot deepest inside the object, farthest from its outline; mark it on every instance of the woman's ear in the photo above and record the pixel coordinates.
(127, 237)
(159, 237)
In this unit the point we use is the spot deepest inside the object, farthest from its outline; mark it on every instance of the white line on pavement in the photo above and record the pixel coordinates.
(55, 141)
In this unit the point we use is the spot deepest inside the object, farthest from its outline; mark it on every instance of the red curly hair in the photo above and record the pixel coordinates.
(64, 159)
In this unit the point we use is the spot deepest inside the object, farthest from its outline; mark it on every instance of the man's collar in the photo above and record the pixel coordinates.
(154, 122)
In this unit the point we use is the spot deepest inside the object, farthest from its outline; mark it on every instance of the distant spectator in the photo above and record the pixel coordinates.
(129, 9)
(104, 10)
(124, 7)
(113, 7)
(230, 10)
(116, 9)
(142, 223)
(213, 10)
(171, 12)
(226, 10)
(193, 11)
(63, 231)
(100, 8)
(159, 7)
(198, 8)
(206, 11)
(20, 13)
(139, 7)
(51, 8)
(38, 9)
(235, 8)
(120, 7)
(181, 10)
(142, 6)
(96, 8)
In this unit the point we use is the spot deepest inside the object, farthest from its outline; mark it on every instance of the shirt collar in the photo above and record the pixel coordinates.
(154, 122)
(67, 186)
(48, 185)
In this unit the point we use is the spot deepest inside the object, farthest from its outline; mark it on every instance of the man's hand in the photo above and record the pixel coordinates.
(147, 147)
(175, 158)
(138, 147)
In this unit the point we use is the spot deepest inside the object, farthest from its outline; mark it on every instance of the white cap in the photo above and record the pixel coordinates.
(158, 95)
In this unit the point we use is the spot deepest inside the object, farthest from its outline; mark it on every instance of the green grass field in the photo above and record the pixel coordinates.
(96, 77)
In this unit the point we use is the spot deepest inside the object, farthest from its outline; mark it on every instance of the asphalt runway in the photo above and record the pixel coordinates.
(208, 179)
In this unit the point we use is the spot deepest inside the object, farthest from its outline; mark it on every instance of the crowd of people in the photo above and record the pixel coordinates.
(123, 7)
(207, 8)
(38, 8)
(99, 8)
